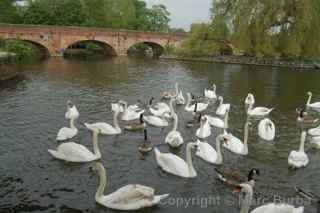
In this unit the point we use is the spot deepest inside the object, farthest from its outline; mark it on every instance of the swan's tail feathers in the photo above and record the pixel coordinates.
(56, 154)
(158, 198)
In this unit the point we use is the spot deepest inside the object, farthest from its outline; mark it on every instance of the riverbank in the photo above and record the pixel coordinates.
(245, 60)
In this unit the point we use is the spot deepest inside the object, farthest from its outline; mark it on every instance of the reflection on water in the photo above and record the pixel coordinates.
(32, 111)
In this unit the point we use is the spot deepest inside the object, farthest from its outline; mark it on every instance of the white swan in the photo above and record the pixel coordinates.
(249, 99)
(73, 152)
(66, 133)
(315, 142)
(314, 131)
(174, 138)
(258, 111)
(180, 98)
(266, 129)
(159, 108)
(131, 112)
(156, 121)
(207, 153)
(222, 108)
(315, 105)
(211, 94)
(191, 108)
(176, 165)
(129, 197)
(72, 111)
(107, 129)
(204, 130)
(246, 201)
(235, 145)
(218, 122)
(298, 159)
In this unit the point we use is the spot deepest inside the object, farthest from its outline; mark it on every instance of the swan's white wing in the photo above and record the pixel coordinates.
(201, 106)
(174, 139)
(214, 121)
(278, 208)
(222, 109)
(130, 115)
(314, 131)
(206, 152)
(266, 129)
(131, 197)
(315, 142)
(105, 128)
(298, 159)
(172, 163)
(315, 105)
(162, 106)
(66, 133)
(155, 121)
(260, 111)
(234, 144)
(73, 152)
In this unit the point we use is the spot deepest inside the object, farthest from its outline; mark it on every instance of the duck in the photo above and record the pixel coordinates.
(218, 122)
(232, 178)
(107, 129)
(131, 112)
(298, 159)
(266, 129)
(250, 100)
(136, 126)
(207, 153)
(204, 130)
(258, 111)
(211, 94)
(77, 153)
(72, 111)
(174, 137)
(156, 121)
(191, 108)
(315, 105)
(304, 118)
(66, 133)
(175, 165)
(235, 145)
(246, 200)
(222, 108)
(146, 146)
(129, 197)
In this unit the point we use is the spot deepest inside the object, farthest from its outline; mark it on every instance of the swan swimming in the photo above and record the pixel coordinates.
(218, 122)
(72, 111)
(175, 165)
(204, 130)
(129, 197)
(207, 153)
(174, 138)
(266, 129)
(222, 108)
(235, 145)
(211, 94)
(130, 113)
(258, 111)
(190, 108)
(107, 129)
(73, 152)
(298, 159)
(66, 133)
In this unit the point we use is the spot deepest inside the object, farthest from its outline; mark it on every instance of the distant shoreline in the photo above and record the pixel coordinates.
(241, 60)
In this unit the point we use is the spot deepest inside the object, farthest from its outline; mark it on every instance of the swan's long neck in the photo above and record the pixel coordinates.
(226, 120)
(214, 87)
(188, 100)
(96, 149)
(177, 88)
(246, 202)
(72, 126)
(171, 105)
(102, 182)
(115, 120)
(309, 99)
(192, 171)
(218, 147)
(245, 139)
(175, 122)
(221, 101)
(302, 141)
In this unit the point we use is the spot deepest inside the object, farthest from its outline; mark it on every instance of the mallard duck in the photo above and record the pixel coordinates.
(232, 178)
(146, 146)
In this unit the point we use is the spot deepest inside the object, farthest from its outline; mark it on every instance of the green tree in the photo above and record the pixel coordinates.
(9, 13)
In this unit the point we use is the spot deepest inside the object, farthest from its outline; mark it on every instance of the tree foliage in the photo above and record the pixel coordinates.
(127, 14)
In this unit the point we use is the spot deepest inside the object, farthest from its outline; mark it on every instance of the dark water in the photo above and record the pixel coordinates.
(32, 111)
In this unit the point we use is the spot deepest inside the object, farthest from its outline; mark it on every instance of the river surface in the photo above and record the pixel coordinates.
(32, 111)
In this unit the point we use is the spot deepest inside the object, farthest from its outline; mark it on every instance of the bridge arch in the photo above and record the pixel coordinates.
(157, 49)
(106, 48)
(43, 50)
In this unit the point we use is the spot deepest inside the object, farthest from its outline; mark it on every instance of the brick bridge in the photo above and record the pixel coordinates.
(54, 40)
